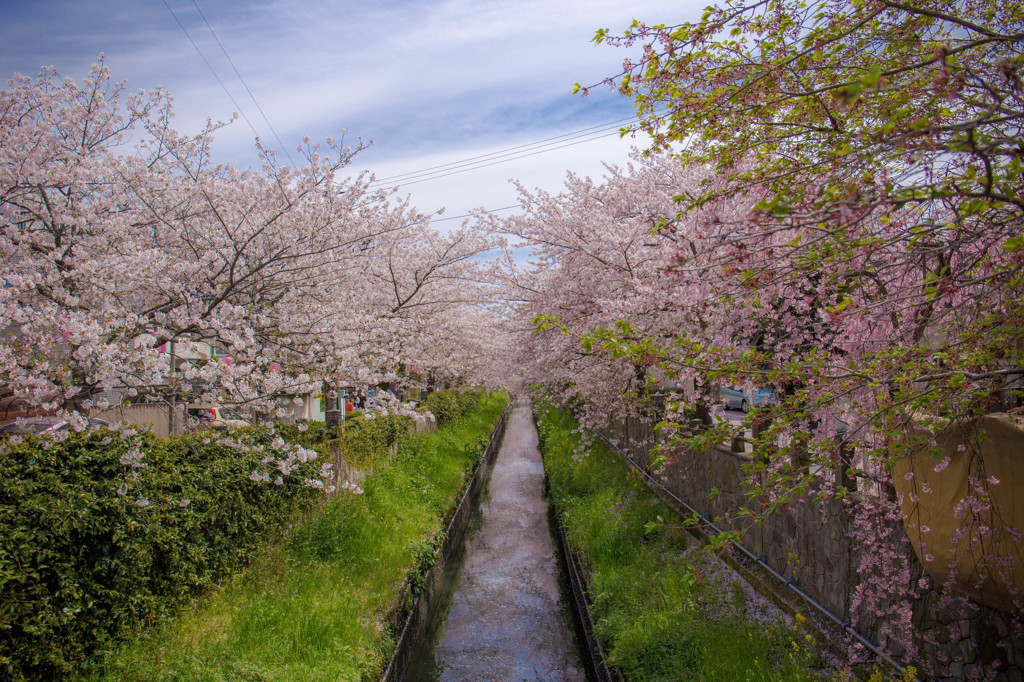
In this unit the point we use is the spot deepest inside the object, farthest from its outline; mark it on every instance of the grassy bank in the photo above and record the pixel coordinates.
(664, 606)
(315, 607)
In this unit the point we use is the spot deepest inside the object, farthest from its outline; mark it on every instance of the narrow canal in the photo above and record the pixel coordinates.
(506, 619)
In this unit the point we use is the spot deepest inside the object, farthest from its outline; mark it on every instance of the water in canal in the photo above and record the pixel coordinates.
(506, 619)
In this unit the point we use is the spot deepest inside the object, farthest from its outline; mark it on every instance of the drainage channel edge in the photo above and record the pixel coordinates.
(593, 654)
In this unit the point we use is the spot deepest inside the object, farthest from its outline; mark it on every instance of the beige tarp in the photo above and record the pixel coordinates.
(988, 557)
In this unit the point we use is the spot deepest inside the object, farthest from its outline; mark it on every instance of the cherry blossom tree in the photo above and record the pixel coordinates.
(877, 274)
(851, 236)
(596, 262)
(425, 283)
(123, 240)
(880, 140)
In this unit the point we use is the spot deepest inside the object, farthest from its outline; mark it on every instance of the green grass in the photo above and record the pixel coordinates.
(666, 607)
(315, 607)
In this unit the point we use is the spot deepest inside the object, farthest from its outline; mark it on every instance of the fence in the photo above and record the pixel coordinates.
(155, 416)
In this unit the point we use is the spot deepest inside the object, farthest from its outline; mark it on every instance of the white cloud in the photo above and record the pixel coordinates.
(445, 80)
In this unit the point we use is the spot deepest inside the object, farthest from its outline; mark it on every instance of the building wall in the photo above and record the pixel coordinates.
(310, 409)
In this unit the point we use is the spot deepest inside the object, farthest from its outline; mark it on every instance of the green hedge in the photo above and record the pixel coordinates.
(451, 404)
(89, 555)
(362, 440)
(365, 440)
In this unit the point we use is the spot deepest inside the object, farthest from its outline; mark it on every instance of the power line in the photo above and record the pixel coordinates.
(487, 160)
(210, 67)
(468, 215)
(213, 71)
(413, 177)
(501, 156)
(244, 84)
(574, 133)
(478, 166)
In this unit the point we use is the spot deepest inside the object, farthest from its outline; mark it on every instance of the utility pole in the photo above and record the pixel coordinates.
(170, 382)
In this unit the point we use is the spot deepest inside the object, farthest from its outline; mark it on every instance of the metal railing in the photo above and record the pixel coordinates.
(844, 624)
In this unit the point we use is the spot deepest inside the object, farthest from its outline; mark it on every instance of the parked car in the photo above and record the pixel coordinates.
(38, 425)
(215, 417)
(737, 399)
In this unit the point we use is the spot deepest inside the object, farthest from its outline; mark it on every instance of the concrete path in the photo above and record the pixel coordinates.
(506, 620)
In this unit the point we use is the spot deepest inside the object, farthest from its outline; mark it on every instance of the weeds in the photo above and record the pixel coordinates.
(665, 605)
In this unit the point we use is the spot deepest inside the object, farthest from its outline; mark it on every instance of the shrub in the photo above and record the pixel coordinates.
(451, 404)
(364, 440)
(95, 548)
(361, 440)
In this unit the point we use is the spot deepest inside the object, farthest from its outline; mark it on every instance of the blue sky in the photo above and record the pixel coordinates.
(429, 82)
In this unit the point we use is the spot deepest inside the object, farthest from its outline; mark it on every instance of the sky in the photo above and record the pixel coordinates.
(429, 82)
